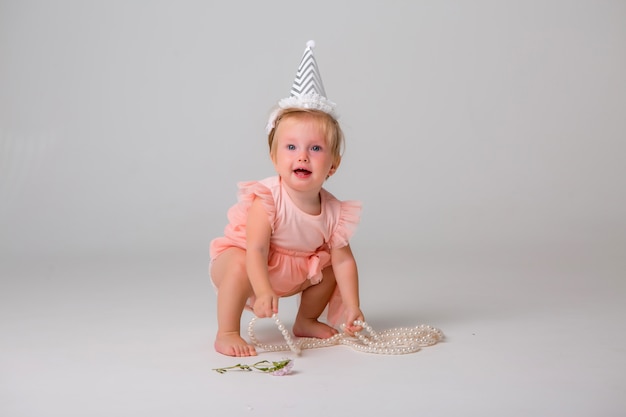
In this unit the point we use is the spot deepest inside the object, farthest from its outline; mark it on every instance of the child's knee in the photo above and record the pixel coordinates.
(230, 266)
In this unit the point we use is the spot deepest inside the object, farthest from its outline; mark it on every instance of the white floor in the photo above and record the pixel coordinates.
(528, 333)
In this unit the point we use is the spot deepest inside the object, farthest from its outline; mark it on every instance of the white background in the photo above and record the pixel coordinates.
(486, 140)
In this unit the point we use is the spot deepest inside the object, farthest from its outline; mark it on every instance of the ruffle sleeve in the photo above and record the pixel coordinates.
(249, 190)
(349, 217)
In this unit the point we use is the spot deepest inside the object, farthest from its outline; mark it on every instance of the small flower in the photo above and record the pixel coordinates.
(284, 369)
(279, 368)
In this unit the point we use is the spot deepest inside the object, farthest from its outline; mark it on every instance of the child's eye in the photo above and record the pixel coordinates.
(316, 148)
(291, 147)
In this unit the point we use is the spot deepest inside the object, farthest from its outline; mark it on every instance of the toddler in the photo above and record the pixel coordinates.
(287, 235)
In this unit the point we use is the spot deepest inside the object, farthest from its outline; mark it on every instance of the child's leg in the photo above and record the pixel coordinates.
(233, 290)
(312, 304)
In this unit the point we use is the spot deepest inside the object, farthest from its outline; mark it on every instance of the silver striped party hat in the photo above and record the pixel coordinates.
(308, 79)
(307, 91)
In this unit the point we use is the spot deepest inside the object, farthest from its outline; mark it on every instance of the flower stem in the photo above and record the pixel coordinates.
(276, 368)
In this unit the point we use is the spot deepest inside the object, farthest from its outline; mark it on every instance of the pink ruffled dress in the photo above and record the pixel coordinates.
(300, 242)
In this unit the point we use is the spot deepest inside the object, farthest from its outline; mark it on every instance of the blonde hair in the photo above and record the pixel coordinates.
(330, 128)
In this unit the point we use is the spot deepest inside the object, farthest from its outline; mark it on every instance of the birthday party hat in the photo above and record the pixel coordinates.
(308, 78)
(307, 91)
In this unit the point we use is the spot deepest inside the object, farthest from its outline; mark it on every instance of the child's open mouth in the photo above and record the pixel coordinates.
(301, 172)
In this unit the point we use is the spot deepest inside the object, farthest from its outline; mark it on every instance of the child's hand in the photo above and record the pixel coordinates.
(352, 314)
(266, 305)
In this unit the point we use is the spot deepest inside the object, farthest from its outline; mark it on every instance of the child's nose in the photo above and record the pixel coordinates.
(303, 157)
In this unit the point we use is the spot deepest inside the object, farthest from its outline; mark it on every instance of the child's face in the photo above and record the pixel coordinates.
(302, 157)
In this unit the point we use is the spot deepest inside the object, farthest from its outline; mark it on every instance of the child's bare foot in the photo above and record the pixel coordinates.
(313, 328)
(232, 344)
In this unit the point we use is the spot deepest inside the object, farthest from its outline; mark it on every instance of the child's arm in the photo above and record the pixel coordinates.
(258, 232)
(346, 274)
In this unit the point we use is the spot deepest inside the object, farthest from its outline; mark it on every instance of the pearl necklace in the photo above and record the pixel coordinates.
(396, 341)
